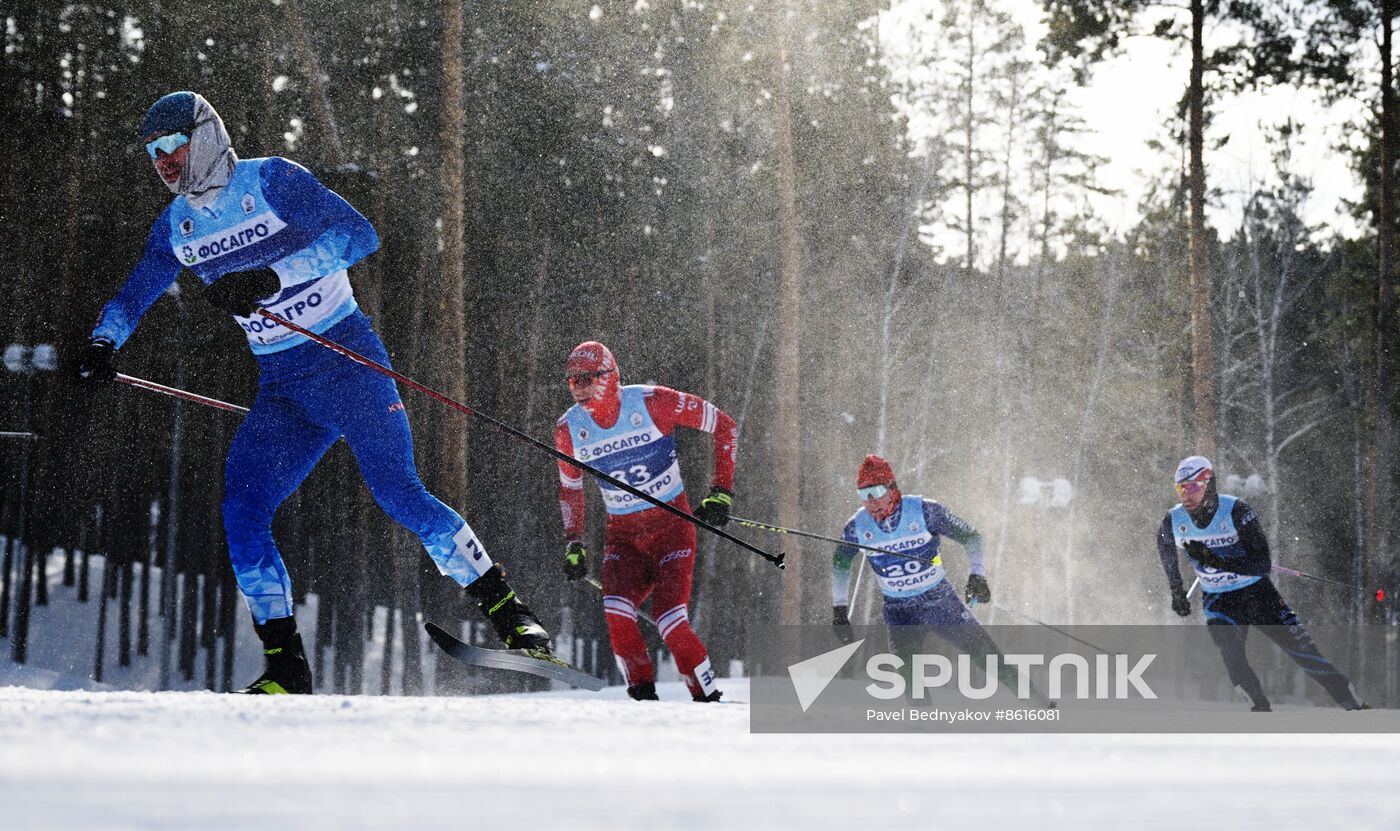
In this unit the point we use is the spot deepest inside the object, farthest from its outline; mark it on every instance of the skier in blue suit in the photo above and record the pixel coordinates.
(267, 233)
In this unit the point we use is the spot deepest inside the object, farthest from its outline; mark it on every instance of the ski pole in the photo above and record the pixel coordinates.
(1056, 629)
(519, 434)
(178, 393)
(1194, 584)
(778, 529)
(18, 434)
(1296, 573)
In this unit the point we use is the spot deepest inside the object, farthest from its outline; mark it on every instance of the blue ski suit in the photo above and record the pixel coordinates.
(273, 213)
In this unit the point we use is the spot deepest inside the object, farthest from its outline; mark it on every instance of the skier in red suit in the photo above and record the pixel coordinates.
(629, 433)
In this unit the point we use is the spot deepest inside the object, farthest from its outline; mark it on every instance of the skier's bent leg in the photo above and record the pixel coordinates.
(625, 583)
(1229, 638)
(379, 436)
(1293, 637)
(670, 600)
(256, 482)
(956, 625)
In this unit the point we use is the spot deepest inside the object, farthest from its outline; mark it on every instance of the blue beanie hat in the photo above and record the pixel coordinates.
(173, 113)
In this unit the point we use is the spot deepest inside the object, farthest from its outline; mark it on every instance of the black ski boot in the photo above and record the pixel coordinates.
(1261, 707)
(707, 699)
(285, 671)
(643, 691)
(515, 624)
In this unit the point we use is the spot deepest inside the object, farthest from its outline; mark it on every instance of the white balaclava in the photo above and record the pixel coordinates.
(211, 158)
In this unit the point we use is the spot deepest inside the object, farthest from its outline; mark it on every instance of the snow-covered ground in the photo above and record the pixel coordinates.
(74, 754)
(119, 760)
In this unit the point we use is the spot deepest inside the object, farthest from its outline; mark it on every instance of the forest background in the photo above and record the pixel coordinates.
(856, 227)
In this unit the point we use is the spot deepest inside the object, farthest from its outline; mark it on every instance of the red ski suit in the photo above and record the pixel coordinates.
(650, 552)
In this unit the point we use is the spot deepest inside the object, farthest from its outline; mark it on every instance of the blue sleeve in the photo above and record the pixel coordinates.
(841, 567)
(296, 194)
(155, 272)
(942, 521)
(1166, 550)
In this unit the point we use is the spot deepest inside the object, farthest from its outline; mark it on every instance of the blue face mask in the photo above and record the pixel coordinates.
(167, 144)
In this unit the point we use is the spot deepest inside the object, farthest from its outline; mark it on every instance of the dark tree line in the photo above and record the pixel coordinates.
(649, 175)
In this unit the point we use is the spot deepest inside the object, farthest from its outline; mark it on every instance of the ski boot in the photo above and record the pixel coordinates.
(1261, 707)
(643, 691)
(515, 624)
(285, 669)
(701, 683)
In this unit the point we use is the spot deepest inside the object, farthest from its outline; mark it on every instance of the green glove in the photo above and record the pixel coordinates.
(575, 561)
(714, 509)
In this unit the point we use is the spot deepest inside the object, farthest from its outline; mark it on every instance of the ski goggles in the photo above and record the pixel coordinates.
(583, 379)
(1190, 488)
(167, 144)
(872, 492)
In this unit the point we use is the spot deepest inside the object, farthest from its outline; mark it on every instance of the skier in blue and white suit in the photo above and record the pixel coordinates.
(915, 587)
(1221, 537)
(267, 233)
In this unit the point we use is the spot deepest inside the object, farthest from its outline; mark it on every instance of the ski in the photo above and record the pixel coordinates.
(532, 662)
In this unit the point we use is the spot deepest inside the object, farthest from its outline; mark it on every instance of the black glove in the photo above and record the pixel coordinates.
(238, 292)
(95, 362)
(714, 509)
(575, 561)
(841, 624)
(1181, 604)
(1201, 553)
(977, 589)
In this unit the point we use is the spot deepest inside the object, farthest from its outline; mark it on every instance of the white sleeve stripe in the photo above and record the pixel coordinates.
(572, 482)
(708, 420)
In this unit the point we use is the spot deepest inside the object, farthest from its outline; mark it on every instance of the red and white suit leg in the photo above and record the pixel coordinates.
(672, 543)
(626, 578)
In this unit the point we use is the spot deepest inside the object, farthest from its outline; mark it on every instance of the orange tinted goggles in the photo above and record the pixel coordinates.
(1190, 488)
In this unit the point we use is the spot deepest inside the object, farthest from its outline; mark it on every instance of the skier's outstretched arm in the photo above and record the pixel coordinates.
(571, 506)
(841, 580)
(1166, 550)
(571, 499)
(940, 520)
(155, 272)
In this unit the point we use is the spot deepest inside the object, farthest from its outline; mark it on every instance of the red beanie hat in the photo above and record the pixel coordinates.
(874, 471)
